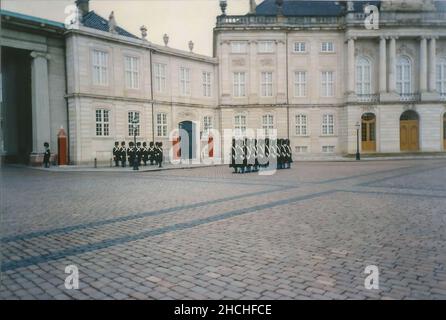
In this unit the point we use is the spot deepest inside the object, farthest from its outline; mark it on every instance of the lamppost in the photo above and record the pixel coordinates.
(135, 157)
(358, 127)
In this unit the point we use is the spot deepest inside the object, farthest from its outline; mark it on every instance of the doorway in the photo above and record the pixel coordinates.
(409, 131)
(16, 117)
(368, 132)
(187, 138)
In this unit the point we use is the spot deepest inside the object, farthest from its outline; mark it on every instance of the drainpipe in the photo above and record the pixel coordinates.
(151, 95)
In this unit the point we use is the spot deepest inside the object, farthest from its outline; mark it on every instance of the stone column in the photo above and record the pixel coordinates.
(423, 64)
(253, 89)
(382, 65)
(40, 104)
(432, 64)
(392, 65)
(351, 66)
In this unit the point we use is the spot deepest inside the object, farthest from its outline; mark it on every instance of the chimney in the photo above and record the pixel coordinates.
(83, 6)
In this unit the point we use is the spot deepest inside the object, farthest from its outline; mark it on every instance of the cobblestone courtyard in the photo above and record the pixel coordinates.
(304, 233)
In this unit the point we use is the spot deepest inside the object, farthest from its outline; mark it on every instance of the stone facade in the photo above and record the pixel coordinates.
(315, 77)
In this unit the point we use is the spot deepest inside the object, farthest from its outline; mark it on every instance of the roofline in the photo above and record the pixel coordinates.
(37, 20)
(137, 42)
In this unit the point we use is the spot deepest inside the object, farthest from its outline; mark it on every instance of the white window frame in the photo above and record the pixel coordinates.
(99, 65)
(300, 83)
(268, 124)
(328, 124)
(265, 46)
(301, 149)
(363, 76)
(102, 121)
(185, 76)
(440, 78)
(300, 47)
(161, 124)
(327, 84)
(327, 47)
(131, 70)
(301, 124)
(207, 83)
(207, 124)
(160, 72)
(266, 84)
(239, 46)
(404, 75)
(239, 87)
(130, 116)
(328, 149)
(240, 124)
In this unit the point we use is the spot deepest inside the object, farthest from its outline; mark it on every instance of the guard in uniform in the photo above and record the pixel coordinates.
(289, 154)
(131, 153)
(256, 155)
(239, 156)
(160, 154)
(248, 155)
(122, 154)
(260, 150)
(116, 154)
(138, 153)
(151, 152)
(233, 164)
(145, 153)
(279, 154)
(46, 155)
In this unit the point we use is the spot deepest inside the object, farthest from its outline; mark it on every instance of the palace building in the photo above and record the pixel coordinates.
(316, 71)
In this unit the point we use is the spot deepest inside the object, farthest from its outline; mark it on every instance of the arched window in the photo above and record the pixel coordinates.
(363, 76)
(441, 76)
(404, 75)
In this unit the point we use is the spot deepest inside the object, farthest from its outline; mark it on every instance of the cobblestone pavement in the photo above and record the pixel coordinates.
(304, 233)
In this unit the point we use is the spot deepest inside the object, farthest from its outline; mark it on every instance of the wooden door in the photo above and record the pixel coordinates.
(409, 133)
(368, 135)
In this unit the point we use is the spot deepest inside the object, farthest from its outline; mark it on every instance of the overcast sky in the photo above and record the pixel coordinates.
(182, 20)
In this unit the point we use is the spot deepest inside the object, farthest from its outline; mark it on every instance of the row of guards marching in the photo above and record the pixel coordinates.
(249, 155)
(152, 154)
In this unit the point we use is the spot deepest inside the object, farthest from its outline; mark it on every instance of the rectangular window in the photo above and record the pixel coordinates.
(184, 81)
(327, 46)
(133, 123)
(301, 125)
(102, 123)
(206, 84)
(131, 65)
(266, 84)
(266, 46)
(328, 149)
(299, 47)
(267, 124)
(160, 71)
(327, 84)
(207, 124)
(328, 124)
(100, 67)
(240, 125)
(301, 149)
(300, 84)
(239, 84)
(238, 46)
(161, 124)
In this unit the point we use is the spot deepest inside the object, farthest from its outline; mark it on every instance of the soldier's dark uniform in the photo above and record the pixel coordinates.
(145, 153)
(260, 152)
(123, 154)
(250, 154)
(116, 154)
(280, 154)
(267, 152)
(233, 164)
(159, 152)
(239, 156)
(131, 153)
(151, 152)
(289, 154)
(138, 153)
(272, 153)
(46, 155)
(256, 155)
